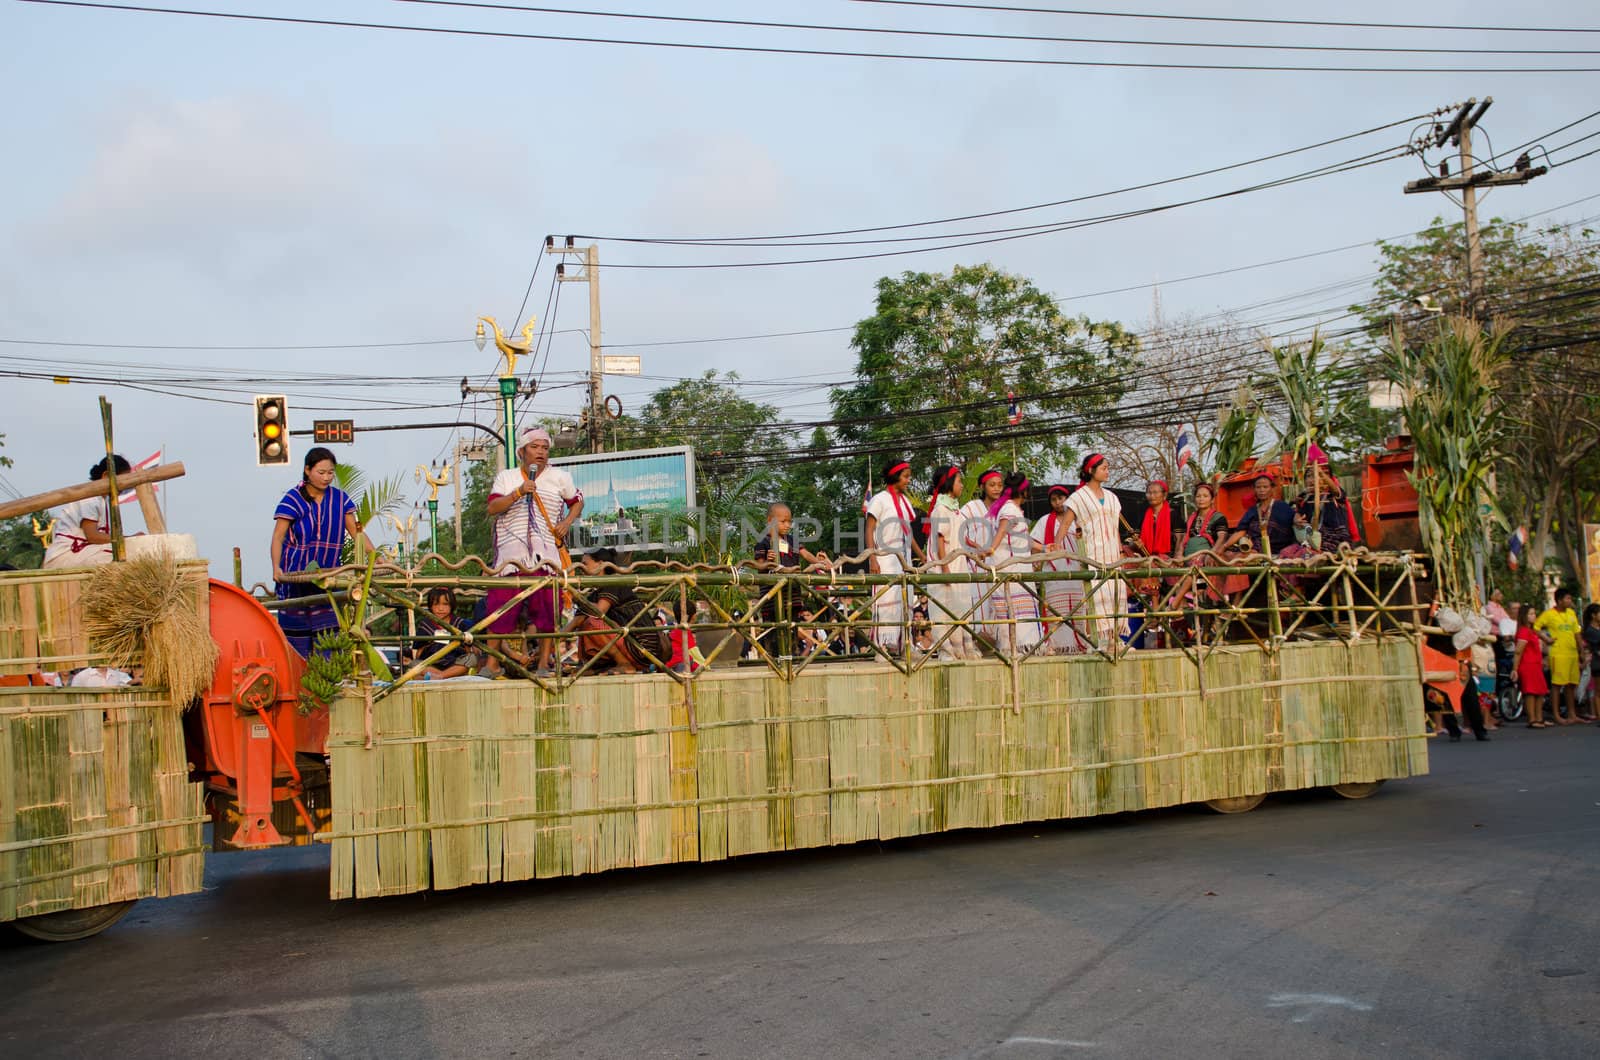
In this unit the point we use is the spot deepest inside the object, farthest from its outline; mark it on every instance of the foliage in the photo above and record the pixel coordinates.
(725, 429)
(5, 461)
(937, 359)
(1542, 280)
(1235, 439)
(372, 499)
(1457, 427)
(18, 546)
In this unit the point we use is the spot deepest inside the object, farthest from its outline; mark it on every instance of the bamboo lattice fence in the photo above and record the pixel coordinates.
(96, 805)
(455, 784)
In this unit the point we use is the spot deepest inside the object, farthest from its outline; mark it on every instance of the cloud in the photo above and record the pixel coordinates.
(250, 194)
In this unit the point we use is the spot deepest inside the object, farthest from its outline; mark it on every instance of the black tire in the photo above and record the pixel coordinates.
(1235, 804)
(1510, 698)
(1357, 791)
(70, 925)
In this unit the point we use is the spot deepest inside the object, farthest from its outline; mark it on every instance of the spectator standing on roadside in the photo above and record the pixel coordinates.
(1560, 627)
(1530, 668)
(1591, 647)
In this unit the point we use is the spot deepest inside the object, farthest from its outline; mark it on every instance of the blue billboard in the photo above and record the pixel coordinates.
(629, 498)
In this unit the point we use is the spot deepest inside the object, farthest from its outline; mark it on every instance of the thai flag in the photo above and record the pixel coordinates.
(1518, 541)
(126, 497)
(1014, 410)
(1184, 451)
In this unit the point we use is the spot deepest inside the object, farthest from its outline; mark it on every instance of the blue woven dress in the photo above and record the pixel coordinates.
(316, 535)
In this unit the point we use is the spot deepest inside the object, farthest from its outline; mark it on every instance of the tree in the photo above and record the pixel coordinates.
(1541, 281)
(937, 360)
(18, 546)
(372, 499)
(739, 444)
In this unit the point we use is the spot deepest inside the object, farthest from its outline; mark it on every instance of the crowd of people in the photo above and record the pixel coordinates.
(533, 506)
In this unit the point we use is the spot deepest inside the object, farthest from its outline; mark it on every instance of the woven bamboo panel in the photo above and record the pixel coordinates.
(41, 622)
(475, 782)
(95, 800)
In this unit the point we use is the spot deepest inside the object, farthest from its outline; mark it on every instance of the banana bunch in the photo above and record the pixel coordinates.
(332, 663)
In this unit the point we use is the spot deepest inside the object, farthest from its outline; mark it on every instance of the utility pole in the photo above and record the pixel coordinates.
(590, 276)
(1468, 180)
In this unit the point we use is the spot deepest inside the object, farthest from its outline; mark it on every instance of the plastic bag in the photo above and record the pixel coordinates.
(1448, 620)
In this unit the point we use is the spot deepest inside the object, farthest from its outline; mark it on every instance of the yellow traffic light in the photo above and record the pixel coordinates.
(272, 440)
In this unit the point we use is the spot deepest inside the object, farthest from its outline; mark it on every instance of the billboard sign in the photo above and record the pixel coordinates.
(631, 497)
(1591, 551)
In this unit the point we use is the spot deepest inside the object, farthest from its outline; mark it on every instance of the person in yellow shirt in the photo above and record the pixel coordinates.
(1559, 625)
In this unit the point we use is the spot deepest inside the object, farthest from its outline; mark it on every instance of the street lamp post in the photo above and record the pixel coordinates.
(436, 476)
(511, 348)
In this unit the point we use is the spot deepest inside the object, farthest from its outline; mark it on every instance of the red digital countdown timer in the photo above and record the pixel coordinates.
(327, 431)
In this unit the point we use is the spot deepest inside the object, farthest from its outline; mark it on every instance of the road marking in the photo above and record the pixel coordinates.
(1308, 1006)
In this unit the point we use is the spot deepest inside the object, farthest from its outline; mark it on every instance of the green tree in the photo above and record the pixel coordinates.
(936, 361)
(740, 446)
(18, 546)
(1541, 282)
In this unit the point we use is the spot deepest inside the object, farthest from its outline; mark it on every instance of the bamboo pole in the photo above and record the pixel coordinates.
(67, 494)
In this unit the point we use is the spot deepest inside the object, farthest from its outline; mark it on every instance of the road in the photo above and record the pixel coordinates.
(1452, 915)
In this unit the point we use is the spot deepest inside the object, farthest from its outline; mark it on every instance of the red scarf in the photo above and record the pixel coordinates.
(1156, 533)
(908, 513)
(1050, 529)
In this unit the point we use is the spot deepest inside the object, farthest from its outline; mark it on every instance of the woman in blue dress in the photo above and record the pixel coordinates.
(308, 529)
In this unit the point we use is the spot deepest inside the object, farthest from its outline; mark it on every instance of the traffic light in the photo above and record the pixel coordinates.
(272, 431)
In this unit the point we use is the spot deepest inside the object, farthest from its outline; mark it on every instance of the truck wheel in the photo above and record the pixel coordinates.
(1235, 804)
(1357, 791)
(69, 925)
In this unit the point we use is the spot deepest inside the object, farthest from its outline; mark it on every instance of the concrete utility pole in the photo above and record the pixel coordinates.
(590, 276)
(1459, 133)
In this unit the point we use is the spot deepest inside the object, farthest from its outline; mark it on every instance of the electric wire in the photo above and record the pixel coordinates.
(702, 46)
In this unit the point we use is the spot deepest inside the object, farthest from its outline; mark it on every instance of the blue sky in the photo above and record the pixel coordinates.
(186, 181)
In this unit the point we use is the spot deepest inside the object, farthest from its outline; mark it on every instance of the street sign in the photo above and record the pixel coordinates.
(619, 364)
(326, 432)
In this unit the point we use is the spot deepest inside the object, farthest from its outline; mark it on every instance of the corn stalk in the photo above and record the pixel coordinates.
(1457, 428)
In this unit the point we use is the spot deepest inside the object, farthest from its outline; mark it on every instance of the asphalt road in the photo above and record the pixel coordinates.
(1452, 915)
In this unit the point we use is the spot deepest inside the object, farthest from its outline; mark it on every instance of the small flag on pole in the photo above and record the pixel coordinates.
(1518, 541)
(1184, 451)
(126, 497)
(1014, 411)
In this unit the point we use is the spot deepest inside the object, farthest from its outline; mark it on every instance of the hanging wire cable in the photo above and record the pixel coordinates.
(1238, 19)
(810, 27)
(700, 46)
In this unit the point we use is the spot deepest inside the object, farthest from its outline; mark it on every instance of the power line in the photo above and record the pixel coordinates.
(1225, 18)
(1037, 206)
(808, 52)
(1041, 230)
(811, 27)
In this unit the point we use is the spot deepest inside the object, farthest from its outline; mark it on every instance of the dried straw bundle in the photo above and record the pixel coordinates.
(150, 606)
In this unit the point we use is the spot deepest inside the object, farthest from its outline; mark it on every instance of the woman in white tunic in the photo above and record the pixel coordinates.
(978, 537)
(82, 536)
(1096, 514)
(949, 603)
(1063, 600)
(1014, 608)
(891, 541)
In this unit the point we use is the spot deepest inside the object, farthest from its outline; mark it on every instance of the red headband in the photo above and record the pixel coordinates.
(1063, 490)
(945, 477)
(991, 473)
(1162, 483)
(895, 469)
(1094, 461)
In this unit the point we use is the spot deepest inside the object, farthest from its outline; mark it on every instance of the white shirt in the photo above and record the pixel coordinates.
(893, 522)
(69, 525)
(521, 533)
(1099, 519)
(976, 528)
(944, 525)
(101, 677)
